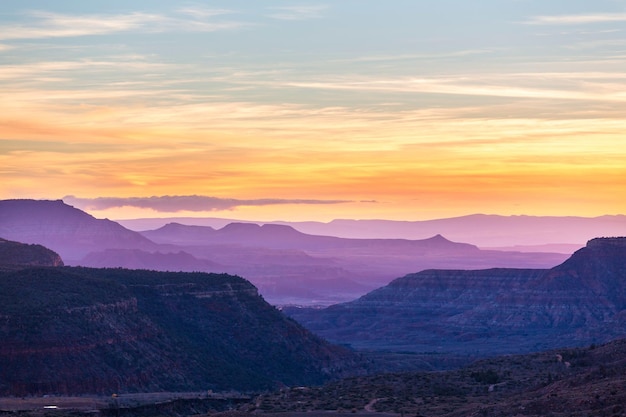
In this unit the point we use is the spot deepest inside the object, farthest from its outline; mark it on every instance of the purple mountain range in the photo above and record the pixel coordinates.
(563, 234)
(287, 265)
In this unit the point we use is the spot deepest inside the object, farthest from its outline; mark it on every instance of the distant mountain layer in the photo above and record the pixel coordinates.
(579, 302)
(80, 330)
(288, 266)
(68, 231)
(280, 259)
(489, 231)
(15, 253)
(285, 237)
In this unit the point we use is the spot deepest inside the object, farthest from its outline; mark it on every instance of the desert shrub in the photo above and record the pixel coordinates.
(486, 377)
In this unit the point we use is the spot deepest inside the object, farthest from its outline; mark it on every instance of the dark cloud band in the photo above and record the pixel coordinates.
(171, 204)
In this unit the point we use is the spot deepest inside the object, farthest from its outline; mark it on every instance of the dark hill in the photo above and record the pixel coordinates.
(80, 330)
(15, 253)
(487, 312)
(585, 381)
(68, 231)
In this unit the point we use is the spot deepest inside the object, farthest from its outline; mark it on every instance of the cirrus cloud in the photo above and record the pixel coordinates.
(58, 25)
(577, 19)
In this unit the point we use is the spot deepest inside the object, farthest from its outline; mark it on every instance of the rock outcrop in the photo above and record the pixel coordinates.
(485, 312)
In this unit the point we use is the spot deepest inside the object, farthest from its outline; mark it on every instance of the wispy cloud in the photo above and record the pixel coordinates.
(297, 12)
(479, 86)
(577, 19)
(403, 57)
(203, 12)
(172, 204)
(57, 25)
(52, 69)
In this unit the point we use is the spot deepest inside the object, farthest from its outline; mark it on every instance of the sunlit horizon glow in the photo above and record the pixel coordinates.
(355, 109)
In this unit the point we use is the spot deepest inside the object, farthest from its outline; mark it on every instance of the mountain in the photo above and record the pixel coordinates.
(482, 230)
(71, 330)
(488, 312)
(369, 256)
(563, 234)
(15, 253)
(285, 237)
(68, 231)
(291, 267)
(288, 266)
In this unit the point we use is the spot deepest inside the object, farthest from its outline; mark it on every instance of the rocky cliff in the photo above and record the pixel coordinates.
(483, 312)
(80, 330)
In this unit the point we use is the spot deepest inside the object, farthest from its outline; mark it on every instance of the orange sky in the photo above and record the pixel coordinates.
(155, 105)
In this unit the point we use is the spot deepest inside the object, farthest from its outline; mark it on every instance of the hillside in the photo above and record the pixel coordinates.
(66, 230)
(565, 382)
(16, 253)
(488, 312)
(80, 330)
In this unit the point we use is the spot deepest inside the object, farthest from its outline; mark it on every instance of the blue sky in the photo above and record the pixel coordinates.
(493, 105)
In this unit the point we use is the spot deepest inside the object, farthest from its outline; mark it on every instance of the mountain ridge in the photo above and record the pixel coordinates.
(282, 237)
(288, 266)
(483, 230)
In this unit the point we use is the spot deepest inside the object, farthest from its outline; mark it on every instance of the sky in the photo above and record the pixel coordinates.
(289, 110)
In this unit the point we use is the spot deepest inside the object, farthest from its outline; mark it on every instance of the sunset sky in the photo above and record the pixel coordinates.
(289, 110)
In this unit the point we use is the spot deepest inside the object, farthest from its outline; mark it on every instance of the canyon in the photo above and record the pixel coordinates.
(487, 312)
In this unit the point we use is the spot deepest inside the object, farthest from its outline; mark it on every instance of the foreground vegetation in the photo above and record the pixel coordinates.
(576, 382)
(566, 382)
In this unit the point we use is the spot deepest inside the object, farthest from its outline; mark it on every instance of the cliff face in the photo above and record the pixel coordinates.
(579, 302)
(80, 330)
(15, 253)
